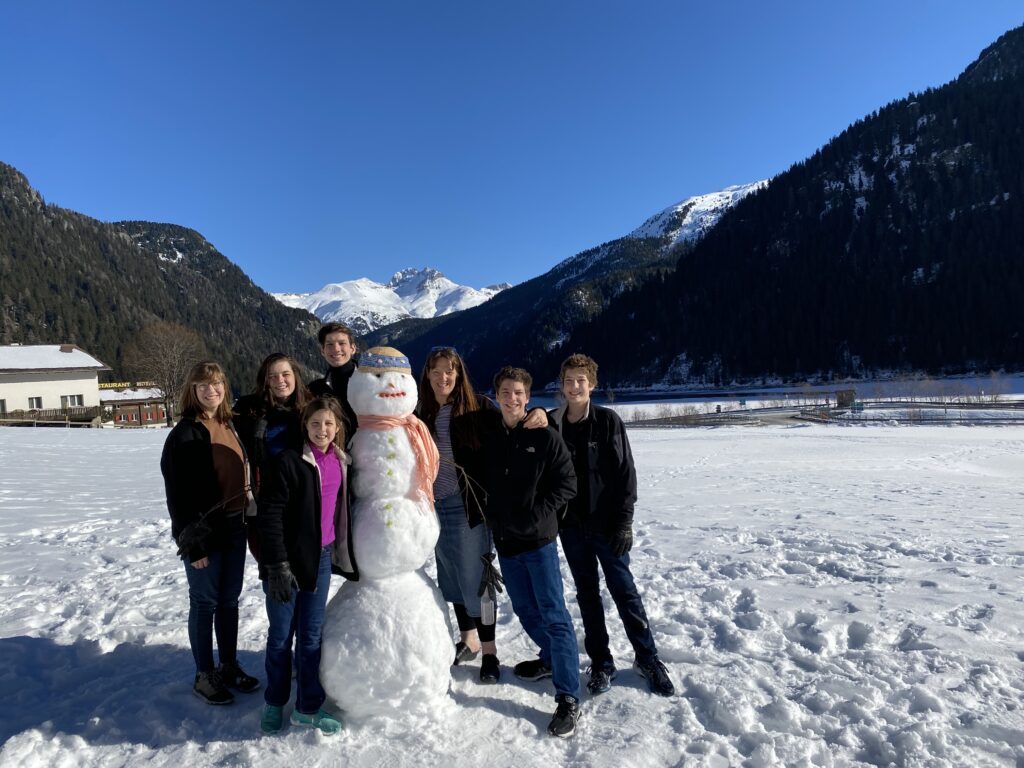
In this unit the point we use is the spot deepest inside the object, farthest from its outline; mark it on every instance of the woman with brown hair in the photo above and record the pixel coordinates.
(206, 479)
(448, 406)
(268, 419)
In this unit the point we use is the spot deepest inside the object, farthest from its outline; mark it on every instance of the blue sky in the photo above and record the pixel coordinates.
(315, 142)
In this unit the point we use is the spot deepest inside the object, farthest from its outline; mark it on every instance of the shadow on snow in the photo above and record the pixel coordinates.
(135, 694)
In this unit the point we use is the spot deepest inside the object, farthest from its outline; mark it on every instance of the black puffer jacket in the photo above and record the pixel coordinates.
(289, 518)
(610, 472)
(190, 482)
(529, 479)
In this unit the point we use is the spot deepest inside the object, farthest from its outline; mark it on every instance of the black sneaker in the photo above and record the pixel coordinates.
(235, 677)
(563, 723)
(601, 678)
(463, 654)
(210, 688)
(490, 670)
(657, 677)
(534, 669)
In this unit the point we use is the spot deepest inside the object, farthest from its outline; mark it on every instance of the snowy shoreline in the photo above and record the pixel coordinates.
(821, 595)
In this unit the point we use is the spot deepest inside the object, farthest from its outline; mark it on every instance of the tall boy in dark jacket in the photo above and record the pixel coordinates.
(338, 347)
(598, 527)
(528, 478)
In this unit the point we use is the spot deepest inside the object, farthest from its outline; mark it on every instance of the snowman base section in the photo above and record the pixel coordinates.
(387, 647)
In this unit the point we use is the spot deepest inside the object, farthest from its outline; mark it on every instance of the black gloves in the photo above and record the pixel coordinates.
(281, 582)
(490, 586)
(491, 579)
(621, 541)
(193, 538)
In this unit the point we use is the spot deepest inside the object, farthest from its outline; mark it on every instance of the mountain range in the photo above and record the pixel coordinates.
(541, 313)
(65, 277)
(364, 305)
(896, 246)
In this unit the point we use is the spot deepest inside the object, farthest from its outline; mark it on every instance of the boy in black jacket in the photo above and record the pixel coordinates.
(598, 527)
(338, 347)
(528, 478)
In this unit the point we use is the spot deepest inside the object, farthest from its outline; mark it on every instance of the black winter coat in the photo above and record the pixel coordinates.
(252, 418)
(610, 472)
(529, 479)
(190, 483)
(289, 518)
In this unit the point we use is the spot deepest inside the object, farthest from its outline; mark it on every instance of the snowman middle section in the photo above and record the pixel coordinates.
(394, 528)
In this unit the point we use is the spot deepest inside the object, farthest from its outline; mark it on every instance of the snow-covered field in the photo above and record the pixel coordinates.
(821, 596)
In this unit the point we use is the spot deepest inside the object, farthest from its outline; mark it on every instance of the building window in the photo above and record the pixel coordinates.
(35, 403)
(71, 401)
(3, 407)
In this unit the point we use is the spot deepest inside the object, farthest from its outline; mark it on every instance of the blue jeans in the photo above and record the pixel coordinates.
(300, 619)
(213, 602)
(458, 552)
(583, 552)
(534, 583)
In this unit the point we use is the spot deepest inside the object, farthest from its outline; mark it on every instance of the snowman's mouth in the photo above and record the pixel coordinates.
(391, 394)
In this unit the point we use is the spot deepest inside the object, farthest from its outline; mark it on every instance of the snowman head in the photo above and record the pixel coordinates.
(382, 384)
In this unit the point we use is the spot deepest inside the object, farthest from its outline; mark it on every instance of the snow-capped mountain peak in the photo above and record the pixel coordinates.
(365, 305)
(690, 219)
(685, 222)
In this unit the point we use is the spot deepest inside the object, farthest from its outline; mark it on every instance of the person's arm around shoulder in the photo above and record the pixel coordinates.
(536, 418)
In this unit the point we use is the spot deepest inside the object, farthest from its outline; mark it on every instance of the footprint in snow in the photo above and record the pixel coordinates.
(746, 614)
(805, 632)
(858, 635)
(910, 639)
(973, 618)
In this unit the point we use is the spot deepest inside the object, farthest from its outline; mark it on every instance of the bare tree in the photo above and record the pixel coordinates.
(164, 353)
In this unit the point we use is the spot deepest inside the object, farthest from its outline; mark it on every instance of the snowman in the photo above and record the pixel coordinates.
(386, 637)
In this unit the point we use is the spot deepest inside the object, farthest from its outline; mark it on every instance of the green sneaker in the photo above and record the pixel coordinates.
(272, 719)
(325, 721)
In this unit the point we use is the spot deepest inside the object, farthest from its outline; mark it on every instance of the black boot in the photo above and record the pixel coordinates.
(235, 677)
(490, 670)
(211, 689)
(563, 724)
